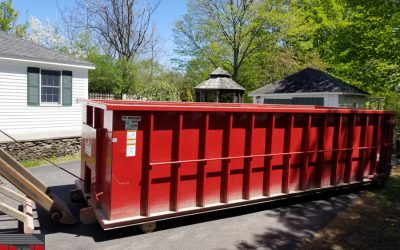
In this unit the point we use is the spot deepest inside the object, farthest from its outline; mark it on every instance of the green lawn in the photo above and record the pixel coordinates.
(35, 163)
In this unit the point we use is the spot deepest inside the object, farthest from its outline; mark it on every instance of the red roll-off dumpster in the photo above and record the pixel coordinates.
(148, 161)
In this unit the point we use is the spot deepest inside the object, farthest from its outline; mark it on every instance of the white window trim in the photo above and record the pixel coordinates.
(49, 104)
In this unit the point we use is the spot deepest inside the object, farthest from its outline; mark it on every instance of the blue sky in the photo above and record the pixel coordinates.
(167, 12)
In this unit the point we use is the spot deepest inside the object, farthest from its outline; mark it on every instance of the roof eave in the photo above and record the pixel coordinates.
(288, 93)
(218, 89)
(42, 61)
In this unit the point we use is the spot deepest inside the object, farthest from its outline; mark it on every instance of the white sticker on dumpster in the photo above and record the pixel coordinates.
(131, 134)
(131, 143)
(130, 150)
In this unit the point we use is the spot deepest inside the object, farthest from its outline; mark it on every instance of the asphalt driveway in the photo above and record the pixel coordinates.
(280, 225)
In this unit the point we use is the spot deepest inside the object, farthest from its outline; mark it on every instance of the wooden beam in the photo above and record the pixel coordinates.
(25, 173)
(18, 215)
(23, 180)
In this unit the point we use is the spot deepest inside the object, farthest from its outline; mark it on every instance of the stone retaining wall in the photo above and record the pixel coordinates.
(47, 148)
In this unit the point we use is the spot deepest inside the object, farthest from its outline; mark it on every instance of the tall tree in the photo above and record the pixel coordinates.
(8, 19)
(123, 27)
(46, 34)
(226, 32)
(359, 40)
(258, 41)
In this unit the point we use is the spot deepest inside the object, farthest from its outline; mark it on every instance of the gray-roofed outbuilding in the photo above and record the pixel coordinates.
(219, 87)
(308, 80)
(18, 48)
(311, 87)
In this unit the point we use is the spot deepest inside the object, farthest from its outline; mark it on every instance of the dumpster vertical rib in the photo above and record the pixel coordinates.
(176, 134)
(144, 192)
(247, 152)
(376, 141)
(335, 153)
(349, 151)
(268, 149)
(382, 144)
(201, 164)
(363, 141)
(225, 163)
(287, 157)
(321, 148)
(385, 152)
(391, 123)
(305, 141)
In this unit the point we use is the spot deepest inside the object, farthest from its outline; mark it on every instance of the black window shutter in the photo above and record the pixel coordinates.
(33, 86)
(67, 88)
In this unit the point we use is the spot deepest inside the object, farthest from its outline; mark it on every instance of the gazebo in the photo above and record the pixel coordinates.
(219, 88)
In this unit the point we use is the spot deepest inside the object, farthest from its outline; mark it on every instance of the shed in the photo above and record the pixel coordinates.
(38, 90)
(311, 87)
(219, 87)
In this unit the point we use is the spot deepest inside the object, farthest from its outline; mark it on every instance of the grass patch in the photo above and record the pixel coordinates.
(373, 222)
(35, 163)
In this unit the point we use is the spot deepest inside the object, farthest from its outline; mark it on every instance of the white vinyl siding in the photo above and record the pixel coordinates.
(331, 99)
(38, 122)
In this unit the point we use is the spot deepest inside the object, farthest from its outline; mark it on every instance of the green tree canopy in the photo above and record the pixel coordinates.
(257, 41)
(227, 33)
(158, 91)
(8, 19)
(359, 39)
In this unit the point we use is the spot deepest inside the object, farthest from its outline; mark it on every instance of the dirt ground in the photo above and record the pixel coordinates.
(371, 222)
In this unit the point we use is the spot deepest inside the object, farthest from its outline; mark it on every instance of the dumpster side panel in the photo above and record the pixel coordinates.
(194, 161)
(237, 125)
(213, 149)
(342, 143)
(162, 149)
(126, 178)
(278, 135)
(328, 141)
(296, 146)
(190, 145)
(369, 142)
(259, 147)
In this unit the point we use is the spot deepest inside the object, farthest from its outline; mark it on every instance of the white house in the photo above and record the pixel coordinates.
(38, 90)
(310, 87)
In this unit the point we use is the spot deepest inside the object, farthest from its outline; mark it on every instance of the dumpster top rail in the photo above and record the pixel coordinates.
(219, 107)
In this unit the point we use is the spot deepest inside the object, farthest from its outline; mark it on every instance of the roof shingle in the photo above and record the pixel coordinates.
(308, 80)
(14, 47)
(219, 79)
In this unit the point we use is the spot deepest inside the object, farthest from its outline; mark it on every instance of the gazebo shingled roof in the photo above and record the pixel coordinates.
(219, 87)
(219, 79)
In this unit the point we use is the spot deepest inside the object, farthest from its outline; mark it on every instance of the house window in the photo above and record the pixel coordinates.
(297, 101)
(50, 86)
(319, 101)
(277, 101)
